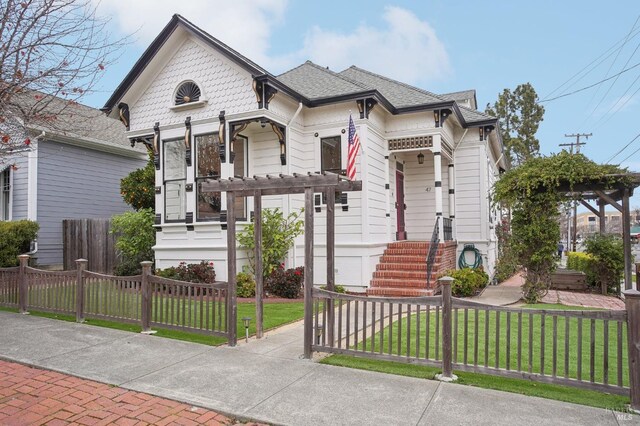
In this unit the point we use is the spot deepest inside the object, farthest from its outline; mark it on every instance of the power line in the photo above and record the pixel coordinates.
(633, 153)
(587, 67)
(607, 73)
(623, 148)
(591, 85)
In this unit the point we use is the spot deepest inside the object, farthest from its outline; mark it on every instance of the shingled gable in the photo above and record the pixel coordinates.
(157, 44)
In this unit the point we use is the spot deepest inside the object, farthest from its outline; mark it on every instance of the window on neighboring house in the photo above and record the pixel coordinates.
(240, 170)
(175, 176)
(331, 154)
(208, 166)
(5, 194)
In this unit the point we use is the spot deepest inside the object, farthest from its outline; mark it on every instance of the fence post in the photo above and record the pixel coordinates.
(447, 371)
(23, 288)
(145, 289)
(81, 266)
(632, 303)
(637, 276)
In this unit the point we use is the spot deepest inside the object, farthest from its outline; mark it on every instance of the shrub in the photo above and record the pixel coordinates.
(467, 281)
(608, 260)
(285, 283)
(246, 285)
(202, 272)
(337, 288)
(278, 235)
(15, 239)
(135, 239)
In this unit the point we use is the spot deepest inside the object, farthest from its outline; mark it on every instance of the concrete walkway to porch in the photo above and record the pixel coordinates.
(506, 293)
(267, 381)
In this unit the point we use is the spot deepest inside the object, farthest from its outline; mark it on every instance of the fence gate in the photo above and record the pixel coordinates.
(257, 187)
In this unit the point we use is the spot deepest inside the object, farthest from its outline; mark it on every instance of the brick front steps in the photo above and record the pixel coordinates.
(402, 270)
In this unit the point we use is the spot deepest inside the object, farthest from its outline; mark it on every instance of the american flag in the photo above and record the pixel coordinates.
(352, 153)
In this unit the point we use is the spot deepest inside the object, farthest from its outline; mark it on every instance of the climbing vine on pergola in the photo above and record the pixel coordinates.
(534, 192)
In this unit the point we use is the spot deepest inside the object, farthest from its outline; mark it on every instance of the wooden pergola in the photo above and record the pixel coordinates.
(257, 187)
(616, 195)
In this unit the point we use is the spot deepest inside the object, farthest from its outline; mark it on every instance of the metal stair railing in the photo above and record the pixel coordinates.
(433, 248)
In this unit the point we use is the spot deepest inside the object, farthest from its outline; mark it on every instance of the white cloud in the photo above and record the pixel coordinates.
(245, 25)
(407, 49)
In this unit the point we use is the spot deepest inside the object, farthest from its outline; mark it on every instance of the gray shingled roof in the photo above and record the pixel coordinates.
(462, 95)
(74, 120)
(399, 94)
(315, 82)
(472, 115)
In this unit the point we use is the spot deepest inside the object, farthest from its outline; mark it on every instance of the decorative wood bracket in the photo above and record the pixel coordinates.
(280, 132)
(235, 131)
(365, 106)
(222, 148)
(187, 141)
(440, 116)
(156, 145)
(123, 113)
(264, 93)
(484, 132)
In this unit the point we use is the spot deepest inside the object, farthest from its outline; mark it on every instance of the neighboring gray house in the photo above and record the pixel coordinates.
(69, 171)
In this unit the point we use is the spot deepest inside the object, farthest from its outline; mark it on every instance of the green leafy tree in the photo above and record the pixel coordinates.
(137, 188)
(278, 236)
(520, 115)
(531, 191)
(135, 239)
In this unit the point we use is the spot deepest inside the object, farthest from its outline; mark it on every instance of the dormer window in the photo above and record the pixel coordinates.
(188, 92)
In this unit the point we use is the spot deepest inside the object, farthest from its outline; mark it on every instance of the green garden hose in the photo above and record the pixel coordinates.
(462, 260)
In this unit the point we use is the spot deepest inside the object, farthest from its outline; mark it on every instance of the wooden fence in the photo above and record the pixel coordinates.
(143, 299)
(89, 239)
(597, 350)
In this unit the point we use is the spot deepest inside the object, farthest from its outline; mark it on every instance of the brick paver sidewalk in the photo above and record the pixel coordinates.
(583, 299)
(30, 396)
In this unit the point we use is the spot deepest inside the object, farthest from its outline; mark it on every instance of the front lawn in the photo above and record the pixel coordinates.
(541, 360)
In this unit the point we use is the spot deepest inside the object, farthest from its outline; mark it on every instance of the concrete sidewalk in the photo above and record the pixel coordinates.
(267, 381)
(506, 293)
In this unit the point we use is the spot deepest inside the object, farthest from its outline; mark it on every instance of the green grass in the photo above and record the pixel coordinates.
(524, 387)
(541, 344)
(274, 314)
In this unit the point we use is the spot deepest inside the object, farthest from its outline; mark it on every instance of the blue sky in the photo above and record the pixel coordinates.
(437, 45)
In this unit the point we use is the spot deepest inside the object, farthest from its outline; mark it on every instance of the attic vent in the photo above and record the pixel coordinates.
(187, 92)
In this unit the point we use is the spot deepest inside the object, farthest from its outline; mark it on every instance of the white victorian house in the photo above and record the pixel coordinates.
(207, 112)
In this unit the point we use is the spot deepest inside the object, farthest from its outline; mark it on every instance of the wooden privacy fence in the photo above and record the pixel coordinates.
(89, 239)
(597, 350)
(145, 299)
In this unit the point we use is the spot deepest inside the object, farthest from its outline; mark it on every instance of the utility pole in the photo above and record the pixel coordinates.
(577, 144)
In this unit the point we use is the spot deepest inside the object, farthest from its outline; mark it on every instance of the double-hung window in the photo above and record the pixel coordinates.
(209, 204)
(175, 177)
(331, 154)
(5, 194)
(331, 159)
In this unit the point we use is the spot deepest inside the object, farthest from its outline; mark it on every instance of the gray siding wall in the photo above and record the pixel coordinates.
(20, 179)
(74, 183)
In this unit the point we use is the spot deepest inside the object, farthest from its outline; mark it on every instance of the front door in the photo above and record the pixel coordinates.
(400, 206)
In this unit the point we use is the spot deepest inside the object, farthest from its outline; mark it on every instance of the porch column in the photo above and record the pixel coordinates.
(437, 169)
(602, 222)
(452, 199)
(626, 239)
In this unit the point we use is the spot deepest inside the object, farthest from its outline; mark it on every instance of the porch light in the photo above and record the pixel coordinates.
(421, 158)
(246, 321)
